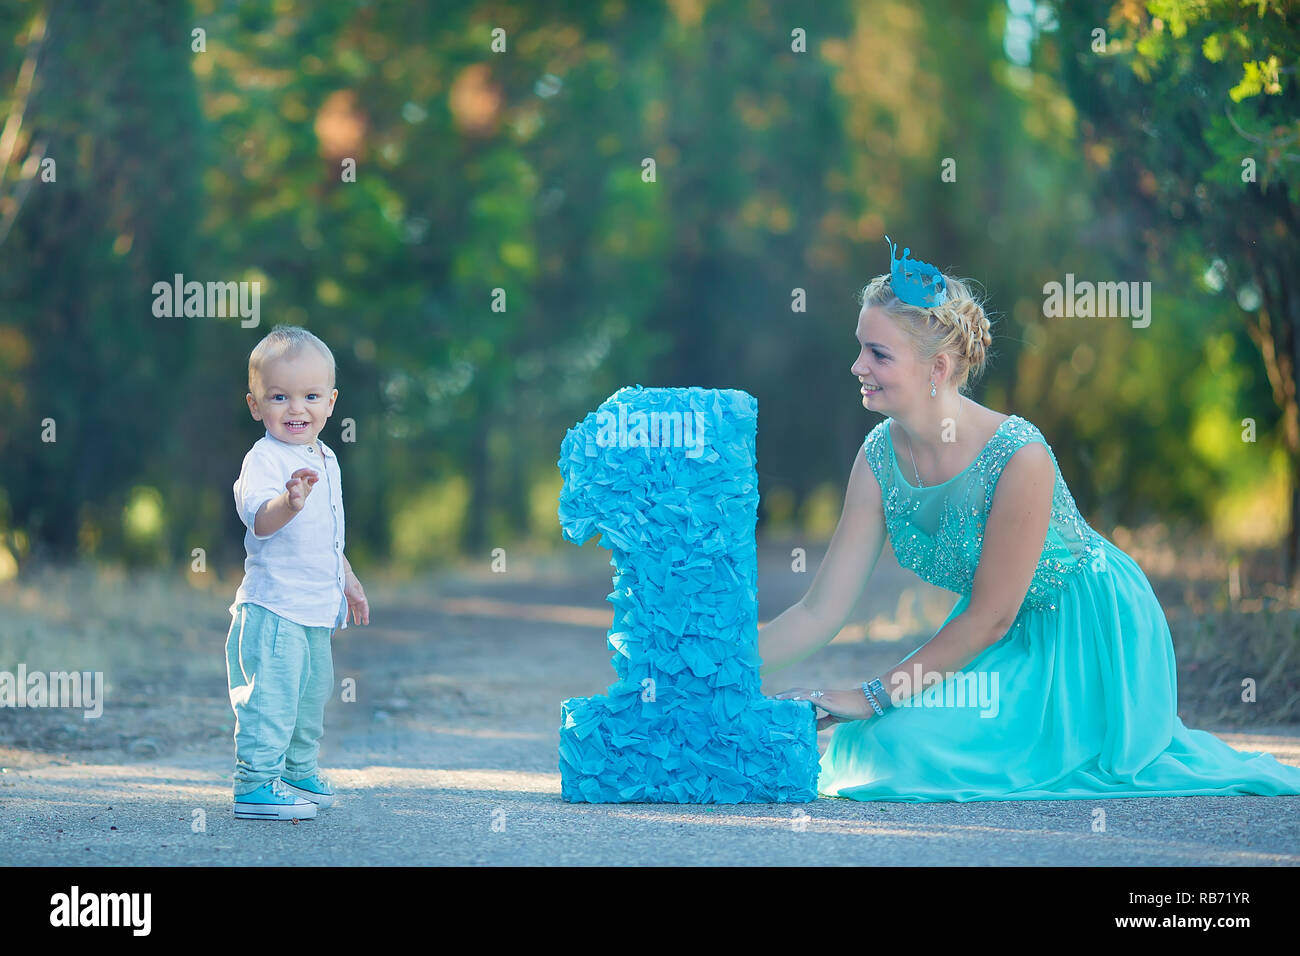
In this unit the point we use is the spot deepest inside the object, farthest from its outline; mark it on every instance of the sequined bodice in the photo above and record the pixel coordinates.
(938, 531)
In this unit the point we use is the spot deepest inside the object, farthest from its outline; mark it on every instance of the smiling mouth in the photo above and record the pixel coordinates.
(296, 426)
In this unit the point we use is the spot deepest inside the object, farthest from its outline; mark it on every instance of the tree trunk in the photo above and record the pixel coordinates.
(480, 485)
(1274, 331)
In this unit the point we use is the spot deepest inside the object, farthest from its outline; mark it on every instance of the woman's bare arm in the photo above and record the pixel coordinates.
(1013, 542)
(817, 617)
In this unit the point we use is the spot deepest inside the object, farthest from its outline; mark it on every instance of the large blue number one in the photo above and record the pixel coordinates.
(667, 476)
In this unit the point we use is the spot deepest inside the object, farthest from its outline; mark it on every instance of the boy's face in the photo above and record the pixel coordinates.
(294, 398)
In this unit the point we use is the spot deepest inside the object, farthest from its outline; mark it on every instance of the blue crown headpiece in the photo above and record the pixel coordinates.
(916, 282)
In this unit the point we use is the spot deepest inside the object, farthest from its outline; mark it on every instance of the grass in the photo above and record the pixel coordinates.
(1233, 630)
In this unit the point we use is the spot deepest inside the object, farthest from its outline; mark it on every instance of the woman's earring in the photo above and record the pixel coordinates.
(932, 390)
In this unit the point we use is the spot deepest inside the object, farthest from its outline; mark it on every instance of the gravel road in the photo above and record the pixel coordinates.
(448, 755)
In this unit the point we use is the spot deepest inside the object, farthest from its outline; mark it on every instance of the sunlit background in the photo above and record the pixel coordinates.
(505, 146)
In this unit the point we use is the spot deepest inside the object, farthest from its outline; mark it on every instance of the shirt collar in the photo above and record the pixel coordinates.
(302, 449)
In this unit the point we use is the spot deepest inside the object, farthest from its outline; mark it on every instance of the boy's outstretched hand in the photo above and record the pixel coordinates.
(357, 603)
(299, 487)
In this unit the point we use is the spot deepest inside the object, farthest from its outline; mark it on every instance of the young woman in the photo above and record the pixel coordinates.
(1054, 675)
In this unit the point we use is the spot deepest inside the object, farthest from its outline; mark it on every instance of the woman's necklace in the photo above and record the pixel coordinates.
(919, 482)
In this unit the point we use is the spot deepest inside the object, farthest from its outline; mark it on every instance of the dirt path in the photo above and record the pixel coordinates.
(448, 756)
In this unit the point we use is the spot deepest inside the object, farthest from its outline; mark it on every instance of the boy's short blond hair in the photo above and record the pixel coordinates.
(284, 341)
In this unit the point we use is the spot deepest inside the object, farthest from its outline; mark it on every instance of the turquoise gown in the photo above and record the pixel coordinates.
(1078, 700)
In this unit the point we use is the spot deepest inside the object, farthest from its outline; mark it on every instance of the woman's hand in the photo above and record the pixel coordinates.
(840, 705)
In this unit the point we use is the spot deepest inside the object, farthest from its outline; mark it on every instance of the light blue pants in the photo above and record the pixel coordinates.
(281, 675)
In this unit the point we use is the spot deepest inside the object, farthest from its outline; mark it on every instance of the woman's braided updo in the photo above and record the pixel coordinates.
(959, 327)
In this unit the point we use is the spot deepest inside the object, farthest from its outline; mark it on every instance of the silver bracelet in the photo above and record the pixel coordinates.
(879, 689)
(871, 699)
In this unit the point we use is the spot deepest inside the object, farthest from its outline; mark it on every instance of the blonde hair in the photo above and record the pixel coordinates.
(959, 327)
(284, 341)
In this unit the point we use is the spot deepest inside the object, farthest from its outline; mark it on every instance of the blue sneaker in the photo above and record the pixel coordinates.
(273, 801)
(314, 788)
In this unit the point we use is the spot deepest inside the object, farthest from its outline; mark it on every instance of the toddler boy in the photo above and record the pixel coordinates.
(297, 586)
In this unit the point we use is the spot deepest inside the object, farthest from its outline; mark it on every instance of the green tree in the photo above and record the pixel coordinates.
(84, 359)
(1191, 122)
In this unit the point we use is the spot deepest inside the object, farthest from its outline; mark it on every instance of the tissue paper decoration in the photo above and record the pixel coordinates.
(667, 477)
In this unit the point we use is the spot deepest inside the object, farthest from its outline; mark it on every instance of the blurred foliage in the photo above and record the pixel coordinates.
(525, 170)
(1191, 129)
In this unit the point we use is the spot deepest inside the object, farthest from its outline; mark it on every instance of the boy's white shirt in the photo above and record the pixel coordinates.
(297, 571)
